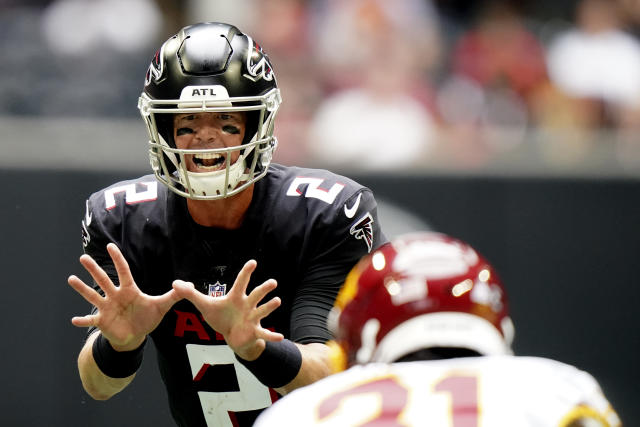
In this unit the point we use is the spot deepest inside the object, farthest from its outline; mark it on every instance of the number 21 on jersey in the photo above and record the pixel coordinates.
(386, 401)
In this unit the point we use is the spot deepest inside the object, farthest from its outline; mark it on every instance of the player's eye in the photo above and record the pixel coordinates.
(184, 131)
(231, 129)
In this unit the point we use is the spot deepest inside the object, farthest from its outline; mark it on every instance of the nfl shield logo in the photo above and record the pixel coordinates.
(217, 289)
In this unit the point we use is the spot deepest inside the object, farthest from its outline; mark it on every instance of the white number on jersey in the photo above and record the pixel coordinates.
(314, 190)
(131, 195)
(215, 405)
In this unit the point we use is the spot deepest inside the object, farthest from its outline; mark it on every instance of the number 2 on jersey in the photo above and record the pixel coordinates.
(313, 189)
(217, 405)
(131, 194)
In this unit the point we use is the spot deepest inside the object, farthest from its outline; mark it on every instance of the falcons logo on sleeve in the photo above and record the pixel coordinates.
(363, 229)
(88, 216)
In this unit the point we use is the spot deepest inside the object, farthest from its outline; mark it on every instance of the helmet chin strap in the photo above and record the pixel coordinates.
(212, 183)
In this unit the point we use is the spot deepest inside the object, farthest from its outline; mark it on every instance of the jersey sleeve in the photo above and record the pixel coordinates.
(592, 407)
(557, 393)
(119, 214)
(340, 239)
(95, 238)
(96, 235)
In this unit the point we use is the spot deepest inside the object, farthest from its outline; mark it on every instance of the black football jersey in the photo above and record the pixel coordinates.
(306, 228)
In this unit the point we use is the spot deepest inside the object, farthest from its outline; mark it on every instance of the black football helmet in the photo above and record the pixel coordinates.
(210, 67)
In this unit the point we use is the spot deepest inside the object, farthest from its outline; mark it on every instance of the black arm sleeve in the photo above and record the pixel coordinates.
(339, 249)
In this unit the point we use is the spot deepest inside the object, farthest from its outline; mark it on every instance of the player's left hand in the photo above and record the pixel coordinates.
(237, 315)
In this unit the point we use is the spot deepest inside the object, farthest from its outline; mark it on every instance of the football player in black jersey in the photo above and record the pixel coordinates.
(228, 262)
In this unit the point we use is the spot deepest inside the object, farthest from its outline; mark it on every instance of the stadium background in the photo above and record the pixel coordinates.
(561, 225)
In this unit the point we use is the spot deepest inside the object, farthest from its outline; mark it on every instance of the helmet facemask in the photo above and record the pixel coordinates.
(255, 152)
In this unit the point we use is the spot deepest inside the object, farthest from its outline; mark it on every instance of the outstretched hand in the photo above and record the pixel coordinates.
(237, 315)
(125, 314)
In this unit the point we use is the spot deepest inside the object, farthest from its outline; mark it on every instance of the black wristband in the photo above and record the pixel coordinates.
(278, 364)
(116, 364)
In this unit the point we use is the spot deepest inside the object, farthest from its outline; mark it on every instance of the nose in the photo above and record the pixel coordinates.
(208, 133)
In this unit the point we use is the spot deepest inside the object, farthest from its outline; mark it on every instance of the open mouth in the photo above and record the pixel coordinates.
(208, 162)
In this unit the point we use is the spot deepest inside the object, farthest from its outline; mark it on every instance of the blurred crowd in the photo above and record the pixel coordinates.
(375, 84)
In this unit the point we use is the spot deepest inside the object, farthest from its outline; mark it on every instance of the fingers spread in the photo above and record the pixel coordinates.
(183, 288)
(188, 291)
(87, 292)
(98, 274)
(242, 281)
(167, 300)
(83, 321)
(122, 267)
(261, 291)
(267, 308)
(268, 335)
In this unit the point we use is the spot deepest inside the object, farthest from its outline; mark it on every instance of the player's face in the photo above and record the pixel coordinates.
(205, 131)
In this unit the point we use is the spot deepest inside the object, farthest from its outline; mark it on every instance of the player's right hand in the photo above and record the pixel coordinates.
(125, 314)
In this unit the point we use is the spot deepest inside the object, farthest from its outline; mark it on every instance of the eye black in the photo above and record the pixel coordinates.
(184, 131)
(231, 129)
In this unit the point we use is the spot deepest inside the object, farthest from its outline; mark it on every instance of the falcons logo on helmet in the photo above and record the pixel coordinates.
(156, 67)
(363, 229)
(258, 64)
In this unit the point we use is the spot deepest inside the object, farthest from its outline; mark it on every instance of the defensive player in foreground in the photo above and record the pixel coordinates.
(228, 262)
(437, 305)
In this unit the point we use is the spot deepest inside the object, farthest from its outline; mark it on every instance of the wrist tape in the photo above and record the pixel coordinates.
(116, 364)
(278, 364)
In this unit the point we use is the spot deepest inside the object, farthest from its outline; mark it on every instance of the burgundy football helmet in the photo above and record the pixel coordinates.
(422, 290)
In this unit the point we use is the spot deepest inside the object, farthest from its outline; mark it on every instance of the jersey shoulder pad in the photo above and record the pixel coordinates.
(134, 193)
(319, 188)
(124, 205)
(331, 207)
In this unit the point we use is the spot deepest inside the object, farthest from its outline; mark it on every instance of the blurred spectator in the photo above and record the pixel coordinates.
(346, 32)
(20, 71)
(75, 57)
(631, 15)
(284, 29)
(79, 27)
(375, 57)
(497, 66)
(10, 4)
(500, 51)
(478, 123)
(240, 13)
(597, 64)
(357, 74)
